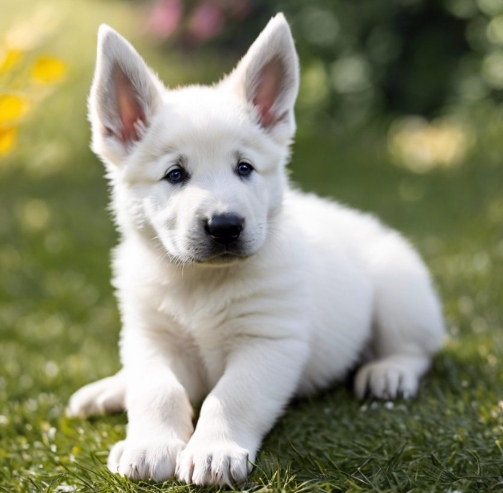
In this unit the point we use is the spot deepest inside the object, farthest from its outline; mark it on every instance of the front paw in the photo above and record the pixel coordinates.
(152, 460)
(214, 462)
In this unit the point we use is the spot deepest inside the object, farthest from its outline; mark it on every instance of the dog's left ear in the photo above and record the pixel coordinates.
(124, 97)
(267, 78)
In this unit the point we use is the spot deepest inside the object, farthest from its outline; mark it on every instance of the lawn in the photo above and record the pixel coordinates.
(59, 322)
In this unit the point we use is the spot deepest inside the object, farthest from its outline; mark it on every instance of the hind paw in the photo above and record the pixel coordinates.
(102, 397)
(386, 380)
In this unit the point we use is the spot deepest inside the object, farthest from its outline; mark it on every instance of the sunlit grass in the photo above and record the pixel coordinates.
(421, 146)
(59, 322)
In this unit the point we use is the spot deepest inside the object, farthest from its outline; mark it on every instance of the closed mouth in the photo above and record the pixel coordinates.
(223, 258)
(215, 255)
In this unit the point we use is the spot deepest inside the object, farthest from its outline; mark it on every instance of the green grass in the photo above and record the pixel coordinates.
(59, 322)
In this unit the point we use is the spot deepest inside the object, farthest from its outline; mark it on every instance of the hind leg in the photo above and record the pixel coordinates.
(105, 396)
(408, 326)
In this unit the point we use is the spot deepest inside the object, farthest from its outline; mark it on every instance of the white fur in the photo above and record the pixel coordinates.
(314, 286)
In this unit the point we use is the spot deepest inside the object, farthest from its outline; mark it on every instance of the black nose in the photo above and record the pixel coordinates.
(225, 228)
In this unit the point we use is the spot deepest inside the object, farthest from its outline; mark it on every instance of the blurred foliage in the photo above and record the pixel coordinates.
(26, 76)
(59, 321)
(361, 58)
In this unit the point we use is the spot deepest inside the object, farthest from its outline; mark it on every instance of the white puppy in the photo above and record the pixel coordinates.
(234, 289)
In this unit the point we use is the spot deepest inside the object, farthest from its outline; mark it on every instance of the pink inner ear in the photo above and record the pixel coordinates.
(267, 91)
(129, 108)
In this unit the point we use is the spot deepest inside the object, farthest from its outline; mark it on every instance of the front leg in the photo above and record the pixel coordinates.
(159, 411)
(260, 377)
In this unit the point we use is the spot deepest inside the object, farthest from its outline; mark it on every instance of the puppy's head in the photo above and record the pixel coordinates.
(198, 170)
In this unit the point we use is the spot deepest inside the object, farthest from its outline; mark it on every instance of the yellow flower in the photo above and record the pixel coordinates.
(7, 139)
(48, 70)
(11, 108)
(8, 59)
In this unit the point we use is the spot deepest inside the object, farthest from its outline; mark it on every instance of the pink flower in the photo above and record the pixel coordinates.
(165, 17)
(206, 21)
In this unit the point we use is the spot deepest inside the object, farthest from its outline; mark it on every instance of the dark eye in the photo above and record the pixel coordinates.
(176, 175)
(244, 169)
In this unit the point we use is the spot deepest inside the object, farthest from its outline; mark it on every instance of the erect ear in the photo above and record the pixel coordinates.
(125, 95)
(267, 78)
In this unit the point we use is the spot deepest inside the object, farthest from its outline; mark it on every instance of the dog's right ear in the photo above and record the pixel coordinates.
(267, 79)
(125, 95)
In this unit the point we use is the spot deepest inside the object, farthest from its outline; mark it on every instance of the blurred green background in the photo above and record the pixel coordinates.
(400, 113)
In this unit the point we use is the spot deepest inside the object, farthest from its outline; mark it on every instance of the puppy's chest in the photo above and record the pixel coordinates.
(197, 310)
(203, 317)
